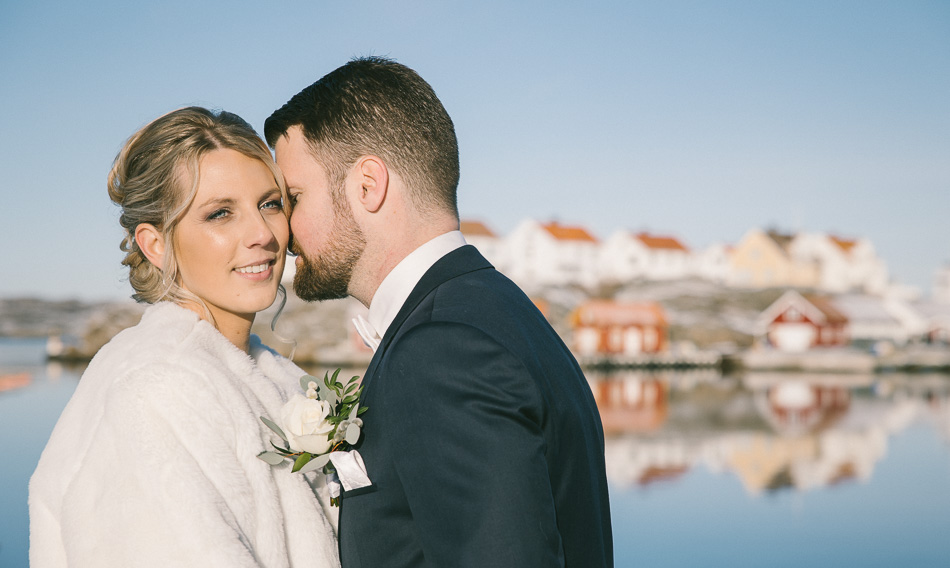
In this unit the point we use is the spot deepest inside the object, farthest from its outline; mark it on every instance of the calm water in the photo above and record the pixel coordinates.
(761, 470)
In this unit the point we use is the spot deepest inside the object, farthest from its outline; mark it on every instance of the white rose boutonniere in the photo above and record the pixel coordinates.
(313, 426)
(306, 425)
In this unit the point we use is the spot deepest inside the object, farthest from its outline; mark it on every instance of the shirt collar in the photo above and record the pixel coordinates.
(394, 290)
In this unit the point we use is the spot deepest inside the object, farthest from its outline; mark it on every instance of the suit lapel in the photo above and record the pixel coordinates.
(460, 261)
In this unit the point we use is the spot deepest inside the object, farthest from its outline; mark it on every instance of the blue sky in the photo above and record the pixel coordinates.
(699, 119)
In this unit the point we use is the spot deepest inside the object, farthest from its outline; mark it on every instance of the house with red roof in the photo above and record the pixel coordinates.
(607, 327)
(629, 256)
(552, 254)
(798, 322)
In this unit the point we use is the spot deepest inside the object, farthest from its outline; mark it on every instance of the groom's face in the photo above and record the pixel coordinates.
(326, 238)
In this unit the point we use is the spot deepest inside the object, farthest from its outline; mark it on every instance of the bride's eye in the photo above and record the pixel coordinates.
(272, 204)
(217, 214)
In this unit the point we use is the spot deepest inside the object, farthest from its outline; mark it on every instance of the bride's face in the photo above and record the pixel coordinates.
(232, 240)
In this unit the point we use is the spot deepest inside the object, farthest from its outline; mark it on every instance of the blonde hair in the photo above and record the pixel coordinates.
(154, 179)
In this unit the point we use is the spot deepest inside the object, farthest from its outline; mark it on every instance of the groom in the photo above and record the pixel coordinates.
(482, 439)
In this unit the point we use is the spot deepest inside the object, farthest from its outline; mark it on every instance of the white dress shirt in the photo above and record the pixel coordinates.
(398, 284)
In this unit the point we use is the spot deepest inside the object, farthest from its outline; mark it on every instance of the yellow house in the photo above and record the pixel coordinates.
(766, 259)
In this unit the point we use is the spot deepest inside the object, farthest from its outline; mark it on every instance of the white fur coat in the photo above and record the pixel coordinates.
(153, 461)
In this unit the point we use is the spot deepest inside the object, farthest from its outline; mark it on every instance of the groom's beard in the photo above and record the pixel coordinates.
(327, 276)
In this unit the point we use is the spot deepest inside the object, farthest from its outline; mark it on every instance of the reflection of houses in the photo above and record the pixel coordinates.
(630, 403)
(632, 461)
(844, 446)
(795, 406)
(763, 462)
(14, 381)
(626, 256)
(796, 322)
(605, 327)
(552, 254)
(845, 443)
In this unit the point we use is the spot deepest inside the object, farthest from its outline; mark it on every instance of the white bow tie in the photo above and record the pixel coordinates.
(367, 332)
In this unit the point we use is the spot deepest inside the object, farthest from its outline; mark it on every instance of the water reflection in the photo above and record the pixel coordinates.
(684, 451)
(14, 381)
(773, 431)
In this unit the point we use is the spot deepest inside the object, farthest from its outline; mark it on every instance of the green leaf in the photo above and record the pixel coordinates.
(352, 434)
(335, 375)
(267, 422)
(272, 458)
(350, 399)
(362, 410)
(316, 463)
(301, 461)
(284, 451)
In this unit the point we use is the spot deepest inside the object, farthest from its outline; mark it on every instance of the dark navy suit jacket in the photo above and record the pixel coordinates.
(481, 437)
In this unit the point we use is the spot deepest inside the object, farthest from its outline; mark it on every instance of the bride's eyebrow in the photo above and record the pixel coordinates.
(217, 202)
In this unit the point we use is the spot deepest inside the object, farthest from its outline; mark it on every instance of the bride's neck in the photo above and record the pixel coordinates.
(236, 328)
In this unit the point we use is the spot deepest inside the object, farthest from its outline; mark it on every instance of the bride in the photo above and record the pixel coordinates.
(153, 461)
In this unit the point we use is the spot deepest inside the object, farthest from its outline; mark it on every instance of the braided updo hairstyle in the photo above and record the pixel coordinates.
(155, 177)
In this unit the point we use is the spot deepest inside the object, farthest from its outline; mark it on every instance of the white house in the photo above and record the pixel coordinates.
(844, 265)
(487, 242)
(873, 319)
(936, 317)
(627, 256)
(546, 254)
(712, 263)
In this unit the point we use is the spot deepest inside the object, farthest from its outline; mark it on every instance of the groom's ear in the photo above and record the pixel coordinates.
(151, 243)
(373, 178)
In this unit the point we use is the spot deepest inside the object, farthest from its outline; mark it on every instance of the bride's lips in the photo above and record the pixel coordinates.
(260, 270)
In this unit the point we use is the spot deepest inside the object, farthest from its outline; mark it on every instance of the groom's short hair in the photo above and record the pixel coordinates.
(375, 106)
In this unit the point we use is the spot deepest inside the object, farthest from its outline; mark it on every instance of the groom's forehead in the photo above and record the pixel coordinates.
(297, 160)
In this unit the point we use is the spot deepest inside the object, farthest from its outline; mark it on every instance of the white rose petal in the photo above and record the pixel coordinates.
(304, 421)
(316, 444)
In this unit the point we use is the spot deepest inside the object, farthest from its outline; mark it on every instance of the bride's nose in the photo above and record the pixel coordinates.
(259, 232)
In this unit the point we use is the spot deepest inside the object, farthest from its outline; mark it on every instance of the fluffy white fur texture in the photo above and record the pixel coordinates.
(153, 461)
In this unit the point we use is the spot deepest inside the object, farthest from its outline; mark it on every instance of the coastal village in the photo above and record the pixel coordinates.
(785, 359)
(824, 302)
(772, 301)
